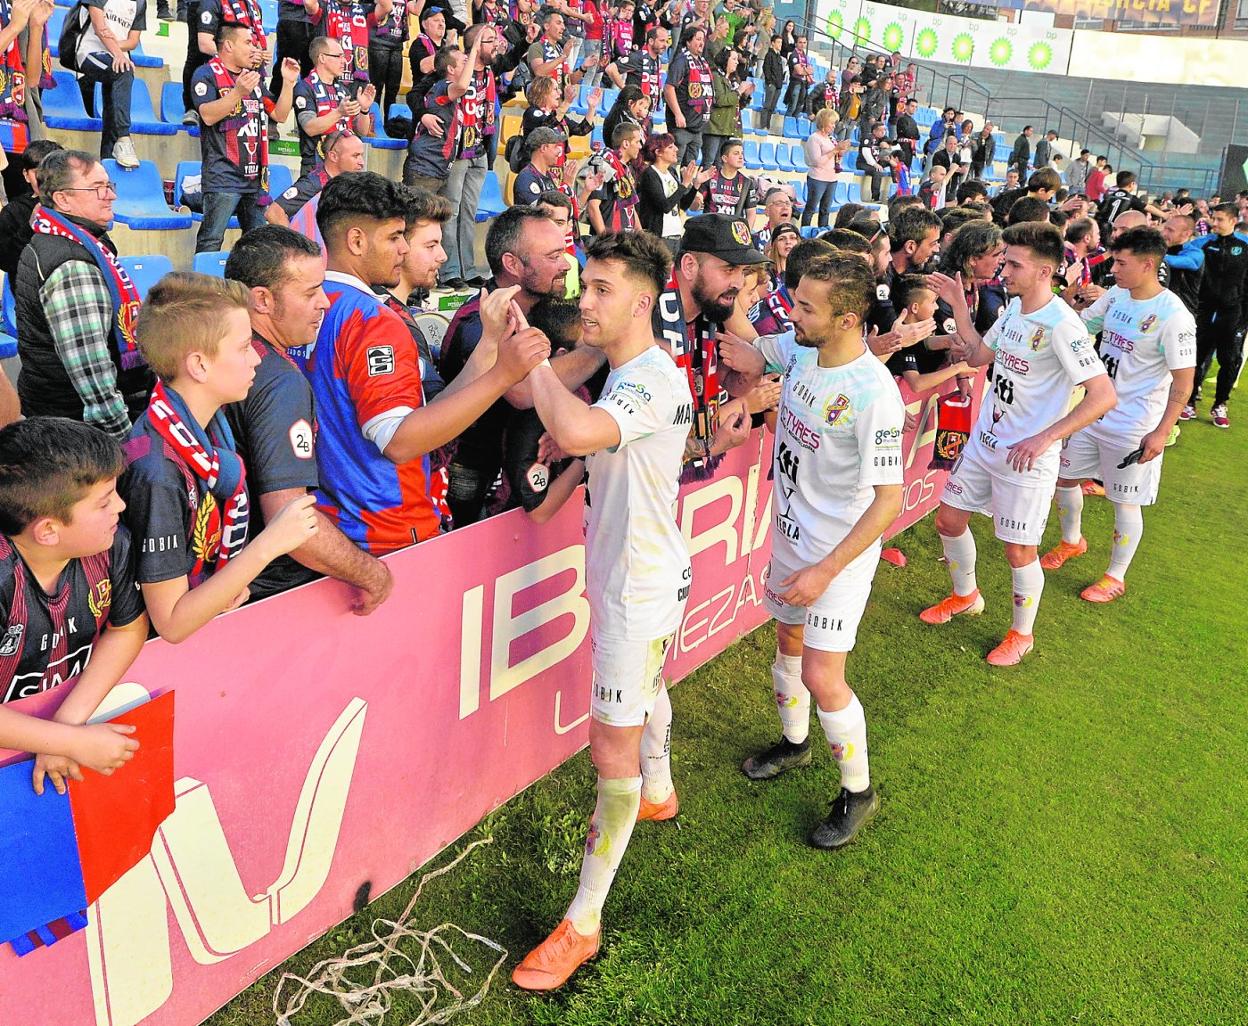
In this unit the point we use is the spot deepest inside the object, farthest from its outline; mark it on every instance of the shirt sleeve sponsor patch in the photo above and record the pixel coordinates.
(380, 361)
(538, 477)
(301, 439)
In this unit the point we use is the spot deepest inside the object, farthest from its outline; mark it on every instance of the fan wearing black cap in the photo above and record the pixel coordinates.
(545, 146)
(707, 277)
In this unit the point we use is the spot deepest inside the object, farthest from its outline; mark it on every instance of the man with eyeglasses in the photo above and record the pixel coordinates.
(76, 306)
(327, 102)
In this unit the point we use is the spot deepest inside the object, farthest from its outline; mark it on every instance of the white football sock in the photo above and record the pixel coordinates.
(619, 798)
(1070, 513)
(656, 751)
(1128, 529)
(960, 558)
(792, 698)
(846, 731)
(1028, 586)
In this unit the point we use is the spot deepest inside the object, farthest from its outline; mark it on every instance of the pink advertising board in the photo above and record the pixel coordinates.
(316, 751)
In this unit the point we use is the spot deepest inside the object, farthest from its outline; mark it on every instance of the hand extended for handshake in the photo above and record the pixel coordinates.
(517, 347)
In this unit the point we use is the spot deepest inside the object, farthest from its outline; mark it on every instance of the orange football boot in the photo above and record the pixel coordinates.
(954, 605)
(659, 811)
(1012, 649)
(1054, 558)
(1105, 590)
(548, 966)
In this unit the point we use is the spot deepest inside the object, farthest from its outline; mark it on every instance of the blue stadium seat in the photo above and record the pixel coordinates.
(63, 107)
(172, 108)
(210, 263)
(809, 231)
(146, 271)
(400, 110)
(491, 204)
(381, 141)
(849, 162)
(800, 192)
(609, 96)
(784, 157)
(185, 170)
(803, 127)
(141, 198)
(595, 137)
(281, 178)
(145, 60)
(798, 152)
(752, 159)
(55, 24)
(767, 154)
(790, 128)
(143, 119)
(268, 12)
(8, 310)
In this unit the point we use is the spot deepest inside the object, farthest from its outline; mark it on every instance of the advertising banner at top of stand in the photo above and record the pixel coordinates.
(1168, 13)
(948, 39)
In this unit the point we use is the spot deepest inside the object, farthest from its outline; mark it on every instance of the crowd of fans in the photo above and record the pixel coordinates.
(293, 419)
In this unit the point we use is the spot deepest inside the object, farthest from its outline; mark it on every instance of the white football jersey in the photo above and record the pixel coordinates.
(1142, 341)
(838, 434)
(637, 566)
(1040, 358)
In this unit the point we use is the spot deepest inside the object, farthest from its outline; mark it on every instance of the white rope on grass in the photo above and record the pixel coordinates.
(419, 973)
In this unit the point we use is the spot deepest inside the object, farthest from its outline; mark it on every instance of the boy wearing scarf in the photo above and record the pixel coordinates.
(76, 305)
(185, 485)
(234, 110)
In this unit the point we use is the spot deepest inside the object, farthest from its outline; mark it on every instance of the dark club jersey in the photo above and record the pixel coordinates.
(311, 184)
(275, 434)
(529, 185)
(1119, 201)
(690, 77)
(641, 70)
(220, 174)
(169, 510)
(733, 196)
(481, 445)
(49, 641)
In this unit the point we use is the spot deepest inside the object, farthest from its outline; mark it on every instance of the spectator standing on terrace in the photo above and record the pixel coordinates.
(234, 110)
(326, 101)
(386, 39)
(801, 75)
(25, 73)
(1044, 149)
(908, 132)
(76, 306)
(294, 39)
(689, 94)
(823, 162)
(774, 76)
(112, 31)
(275, 425)
(983, 150)
(1020, 156)
(15, 229)
(1077, 173)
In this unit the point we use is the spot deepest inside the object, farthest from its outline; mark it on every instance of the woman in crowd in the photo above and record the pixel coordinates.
(823, 161)
(547, 109)
(788, 39)
(783, 238)
(730, 94)
(631, 107)
(664, 190)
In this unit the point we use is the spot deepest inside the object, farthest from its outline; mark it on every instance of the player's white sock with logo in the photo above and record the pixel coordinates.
(960, 558)
(792, 698)
(656, 751)
(619, 798)
(846, 731)
(1028, 587)
(1128, 529)
(1070, 513)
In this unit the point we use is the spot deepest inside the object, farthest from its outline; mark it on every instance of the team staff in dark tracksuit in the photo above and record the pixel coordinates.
(1223, 312)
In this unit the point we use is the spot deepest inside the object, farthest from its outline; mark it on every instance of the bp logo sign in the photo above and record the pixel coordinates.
(1000, 52)
(862, 28)
(836, 24)
(963, 47)
(925, 42)
(894, 36)
(1040, 56)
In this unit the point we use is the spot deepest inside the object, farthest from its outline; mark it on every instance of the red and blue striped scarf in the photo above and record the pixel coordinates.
(254, 164)
(121, 289)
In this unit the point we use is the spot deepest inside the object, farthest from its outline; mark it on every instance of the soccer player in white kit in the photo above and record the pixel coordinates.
(637, 567)
(1040, 350)
(838, 486)
(1148, 346)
